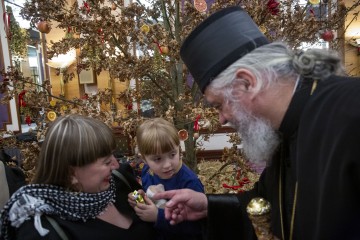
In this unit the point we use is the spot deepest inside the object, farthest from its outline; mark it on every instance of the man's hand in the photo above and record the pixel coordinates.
(183, 205)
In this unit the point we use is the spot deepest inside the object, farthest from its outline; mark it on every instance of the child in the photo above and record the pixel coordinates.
(159, 145)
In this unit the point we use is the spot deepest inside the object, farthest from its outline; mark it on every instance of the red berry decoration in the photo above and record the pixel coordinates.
(327, 35)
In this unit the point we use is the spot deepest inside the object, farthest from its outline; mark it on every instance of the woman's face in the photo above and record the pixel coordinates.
(95, 177)
(164, 165)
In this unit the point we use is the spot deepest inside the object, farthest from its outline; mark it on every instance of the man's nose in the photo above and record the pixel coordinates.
(222, 119)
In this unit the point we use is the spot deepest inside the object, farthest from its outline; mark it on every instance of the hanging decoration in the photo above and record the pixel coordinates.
(70, 32)
(28, 120)
(53, 103)
(44, 27)
(327, 35)
(164, 50)
(273, 7)
(196, 135)
(64, 108)
(51, 115)
(196, 123)
(145, 28)
(159, 47)
(314, 2)
(239, 187)
(22, 102)
(183, 134)
(101, 34)
(113, 6)
(200, 5)
(262, 29)
(85, 8)
(196, 127)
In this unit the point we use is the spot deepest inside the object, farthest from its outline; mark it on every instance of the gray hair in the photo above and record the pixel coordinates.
(276, 63)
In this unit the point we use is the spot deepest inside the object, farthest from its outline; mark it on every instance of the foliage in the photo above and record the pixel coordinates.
(141, 42)
(18, 37)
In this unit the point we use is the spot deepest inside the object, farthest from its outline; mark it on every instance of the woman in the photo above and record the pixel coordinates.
(74, 187)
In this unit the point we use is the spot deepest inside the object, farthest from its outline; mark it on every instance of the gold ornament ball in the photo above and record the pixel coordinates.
(145, 28)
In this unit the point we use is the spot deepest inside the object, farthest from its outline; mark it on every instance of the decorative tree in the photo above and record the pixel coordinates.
(141, 42)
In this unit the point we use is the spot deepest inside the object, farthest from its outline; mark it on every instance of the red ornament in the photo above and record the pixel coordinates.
(183, 134)
(28, 120)
(196, 123)
(327, 35)
(22, 102)
(273, 6)
(129, 106)
(85, 96)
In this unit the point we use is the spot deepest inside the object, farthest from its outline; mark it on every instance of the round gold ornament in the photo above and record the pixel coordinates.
(262, 29)
(145, 28)
(52, 103)
(314, 2)
(51, 115)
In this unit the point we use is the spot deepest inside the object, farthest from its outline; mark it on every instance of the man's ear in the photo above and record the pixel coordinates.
(245, 82)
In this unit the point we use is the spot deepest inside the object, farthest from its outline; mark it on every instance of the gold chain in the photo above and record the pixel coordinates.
(313, 87)
(293, 209)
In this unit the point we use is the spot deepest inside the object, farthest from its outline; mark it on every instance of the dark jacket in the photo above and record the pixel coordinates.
(320, 152)
(14, 175)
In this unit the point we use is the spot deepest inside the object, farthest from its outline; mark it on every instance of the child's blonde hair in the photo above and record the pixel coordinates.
(156, 136)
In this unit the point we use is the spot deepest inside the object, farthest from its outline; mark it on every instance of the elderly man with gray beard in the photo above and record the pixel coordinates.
(295, 110)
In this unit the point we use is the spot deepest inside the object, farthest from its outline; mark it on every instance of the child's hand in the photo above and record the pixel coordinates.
(132, 200)
(147, 212)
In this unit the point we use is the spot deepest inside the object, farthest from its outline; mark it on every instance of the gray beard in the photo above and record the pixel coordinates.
(259, 139)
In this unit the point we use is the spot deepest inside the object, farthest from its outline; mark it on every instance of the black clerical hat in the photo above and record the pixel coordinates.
(219, 41)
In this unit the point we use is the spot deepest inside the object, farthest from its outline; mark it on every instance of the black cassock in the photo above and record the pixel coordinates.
(320, 154)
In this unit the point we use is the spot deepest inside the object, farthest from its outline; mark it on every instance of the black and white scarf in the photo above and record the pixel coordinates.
(33, 200)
